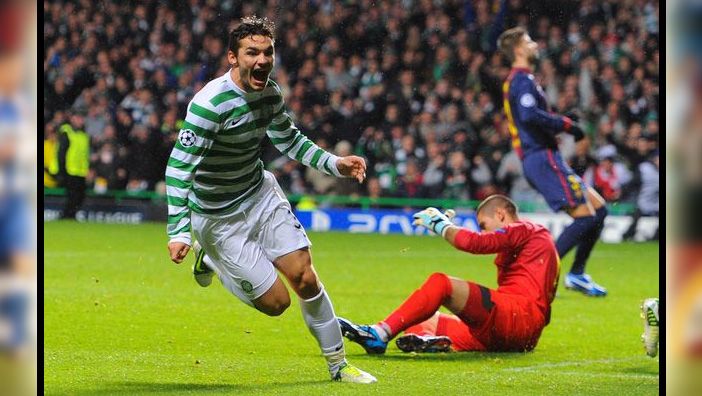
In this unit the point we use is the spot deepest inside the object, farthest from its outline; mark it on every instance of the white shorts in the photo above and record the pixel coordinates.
(242, 246)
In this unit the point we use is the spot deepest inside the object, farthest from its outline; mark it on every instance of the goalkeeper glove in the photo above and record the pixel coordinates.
(434, 220)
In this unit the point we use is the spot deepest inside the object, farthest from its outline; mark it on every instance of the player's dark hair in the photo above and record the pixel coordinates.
(509, 40)
(496, 201)
(251, 26)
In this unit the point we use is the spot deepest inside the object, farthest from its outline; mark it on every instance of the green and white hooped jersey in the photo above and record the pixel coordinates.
(215, 165)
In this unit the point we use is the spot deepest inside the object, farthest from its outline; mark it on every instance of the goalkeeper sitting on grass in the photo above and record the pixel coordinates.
(509, 318)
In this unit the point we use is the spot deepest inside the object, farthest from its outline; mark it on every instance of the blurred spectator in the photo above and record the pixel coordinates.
(410, 184)
(108, 169)
(374, 191)
(406, 153)
(50, 153)
(609, 176)
(73, 163)
(482, 179)
(647, 202)
(456, 177)
(582, 160)
(434, 175)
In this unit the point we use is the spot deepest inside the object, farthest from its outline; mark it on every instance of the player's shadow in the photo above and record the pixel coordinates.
(141, 388)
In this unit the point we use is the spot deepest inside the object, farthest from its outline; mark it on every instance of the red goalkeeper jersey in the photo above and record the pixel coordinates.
(527, 260)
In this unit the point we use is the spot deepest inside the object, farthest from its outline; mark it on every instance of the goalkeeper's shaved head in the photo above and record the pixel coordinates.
(494, 202)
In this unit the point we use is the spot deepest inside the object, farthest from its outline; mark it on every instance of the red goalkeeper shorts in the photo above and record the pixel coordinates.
(493, 321)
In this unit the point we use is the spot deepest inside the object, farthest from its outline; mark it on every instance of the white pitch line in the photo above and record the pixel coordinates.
(570, 363)
(607, 375)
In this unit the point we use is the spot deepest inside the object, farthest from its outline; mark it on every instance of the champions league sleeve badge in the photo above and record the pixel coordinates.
(187, 137)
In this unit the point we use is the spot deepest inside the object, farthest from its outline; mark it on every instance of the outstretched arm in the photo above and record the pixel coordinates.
(469, 241)
(485, 242)
(193, 143)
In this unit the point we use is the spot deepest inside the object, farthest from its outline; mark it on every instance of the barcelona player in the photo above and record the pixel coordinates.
(534, 128)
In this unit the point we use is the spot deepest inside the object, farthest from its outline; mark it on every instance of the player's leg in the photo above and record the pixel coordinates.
(72, 197)
(439, 289)
(426, 328)
(240, 263)
(318, 314)
(461, 335)
(315, 304)
(565, 190)
(431, 333)
(631, 231)
(583, 232)
(284, 240)
(585, 212)
(423, 337)
(254, 282)
(585, 246)
(649, 313)
(202, 269)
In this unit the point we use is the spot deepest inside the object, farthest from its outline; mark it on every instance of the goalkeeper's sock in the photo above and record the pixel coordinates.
(588, 242)
(383, 331)
(420, 306)
(319, 316)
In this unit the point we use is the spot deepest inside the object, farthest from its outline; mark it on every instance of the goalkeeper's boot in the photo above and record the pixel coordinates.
(349, 373)
(202, 273)
(417, 343)
(649, 313)
(584, 284)
(364, 336)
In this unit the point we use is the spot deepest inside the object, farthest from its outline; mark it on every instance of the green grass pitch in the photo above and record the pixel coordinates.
(121, 319)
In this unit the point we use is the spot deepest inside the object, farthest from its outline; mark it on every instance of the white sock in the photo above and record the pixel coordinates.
(208, 262)
(382, 333)
(319, 316)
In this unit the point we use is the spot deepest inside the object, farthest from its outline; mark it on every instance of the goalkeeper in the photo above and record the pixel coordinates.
(509, 318)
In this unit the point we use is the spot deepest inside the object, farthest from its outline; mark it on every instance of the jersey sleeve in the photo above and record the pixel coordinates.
(491, 242)
(194, 140)
(528, 110)
(288, 139)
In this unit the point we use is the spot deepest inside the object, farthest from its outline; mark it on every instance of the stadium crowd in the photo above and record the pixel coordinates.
(413, 86)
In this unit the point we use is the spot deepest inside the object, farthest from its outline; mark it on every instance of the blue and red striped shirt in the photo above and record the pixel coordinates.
(532, 126)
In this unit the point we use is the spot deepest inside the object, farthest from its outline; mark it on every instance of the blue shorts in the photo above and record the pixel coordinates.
(546, 171)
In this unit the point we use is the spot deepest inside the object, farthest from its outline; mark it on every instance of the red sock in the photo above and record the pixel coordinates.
(420, 306)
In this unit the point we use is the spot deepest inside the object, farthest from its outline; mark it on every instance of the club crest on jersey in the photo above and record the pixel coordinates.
(247, 286)
(187, 137)
(527, 100)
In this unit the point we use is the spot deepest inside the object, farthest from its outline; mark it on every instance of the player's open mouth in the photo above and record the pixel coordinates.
(260, 76)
